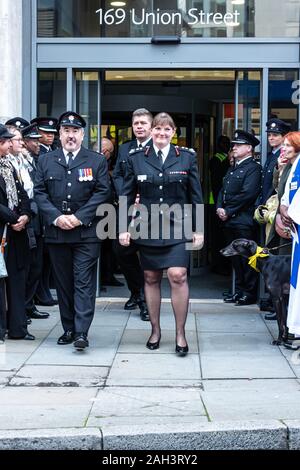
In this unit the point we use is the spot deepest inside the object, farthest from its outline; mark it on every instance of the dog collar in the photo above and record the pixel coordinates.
(253, 259)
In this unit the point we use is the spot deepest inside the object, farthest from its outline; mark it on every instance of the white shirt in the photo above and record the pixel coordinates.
(285, 200)
(74, 154)
(238, 162)
(143, 144)
(165, 151)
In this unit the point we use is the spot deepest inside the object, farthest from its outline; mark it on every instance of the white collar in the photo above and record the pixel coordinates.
(165, 151)
(74, 153)
(143, 144)
(241, 161)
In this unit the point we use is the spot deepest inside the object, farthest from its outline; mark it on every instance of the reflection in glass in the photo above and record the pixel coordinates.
(186, 18)
(51, 92)
(283, 95)
(249, 114)
(87, 98)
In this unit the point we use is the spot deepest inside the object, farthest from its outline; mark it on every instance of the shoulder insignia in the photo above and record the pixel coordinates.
(186, 149)
(133, 151)
(147, 148)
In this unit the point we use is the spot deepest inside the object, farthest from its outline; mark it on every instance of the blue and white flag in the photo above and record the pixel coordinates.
(293, 320)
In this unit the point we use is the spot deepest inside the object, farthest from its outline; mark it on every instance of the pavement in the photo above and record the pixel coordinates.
(234, 390)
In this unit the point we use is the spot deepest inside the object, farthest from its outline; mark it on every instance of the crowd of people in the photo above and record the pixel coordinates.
(49, 196)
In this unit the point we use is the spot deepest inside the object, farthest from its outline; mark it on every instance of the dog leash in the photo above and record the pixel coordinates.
(279, 246)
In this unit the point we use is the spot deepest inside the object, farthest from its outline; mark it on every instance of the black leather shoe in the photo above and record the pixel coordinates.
(270, 316)
(231, 299)
(245, 300)
(27, 337)
(181, 350)
(132, 303)
(47, 303)
(112, 282)
(144, 315)
(35, 313)
(66, 338)
(28, 321)
(81, 341)
(153, 346)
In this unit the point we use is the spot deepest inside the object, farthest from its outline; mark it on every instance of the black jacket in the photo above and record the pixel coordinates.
(8, 216)
(122, 164)
(176, 182)
(241, 187)
(267, 176)
(60, 189)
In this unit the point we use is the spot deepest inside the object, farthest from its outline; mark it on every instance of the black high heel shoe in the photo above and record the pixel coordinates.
(153, 346)
(182, 350)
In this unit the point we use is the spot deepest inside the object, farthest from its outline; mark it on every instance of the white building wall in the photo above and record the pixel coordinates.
(10, 58)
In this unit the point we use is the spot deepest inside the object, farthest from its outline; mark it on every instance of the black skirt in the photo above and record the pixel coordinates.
(162, 257)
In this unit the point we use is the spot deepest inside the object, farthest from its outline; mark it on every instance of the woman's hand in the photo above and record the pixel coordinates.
(124, 239)
(221, 213)
(21, 224)
(198, 240)
(286, 220)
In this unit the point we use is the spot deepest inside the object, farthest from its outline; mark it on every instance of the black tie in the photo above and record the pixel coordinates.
(160, 157)
(70, 158)
(140, 146)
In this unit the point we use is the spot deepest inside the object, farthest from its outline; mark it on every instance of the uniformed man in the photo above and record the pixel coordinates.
(127, 256)
(235, 207)
(47, 127)
(276, 130)
(71, 183)
(31, 141)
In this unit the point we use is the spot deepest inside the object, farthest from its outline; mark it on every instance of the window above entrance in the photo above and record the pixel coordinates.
(184, 18)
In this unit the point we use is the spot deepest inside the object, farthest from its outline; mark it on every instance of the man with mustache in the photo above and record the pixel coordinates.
(71, 183)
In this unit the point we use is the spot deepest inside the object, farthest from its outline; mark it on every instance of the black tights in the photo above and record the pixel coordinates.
(179, 297)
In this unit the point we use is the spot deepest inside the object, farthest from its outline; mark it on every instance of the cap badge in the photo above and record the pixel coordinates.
(71, 118)
(236, 135)
(18, 123)
(51, 123)
(273, 124)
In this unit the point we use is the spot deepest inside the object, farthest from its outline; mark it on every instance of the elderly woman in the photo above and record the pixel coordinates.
(15, 214)
(163, 175)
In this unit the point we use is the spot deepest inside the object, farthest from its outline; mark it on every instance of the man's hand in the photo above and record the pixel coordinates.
(21, 224)
(64, 222)
(286, 220)
(124, 239)
(198, 240)
(221, 213)
(74, 221)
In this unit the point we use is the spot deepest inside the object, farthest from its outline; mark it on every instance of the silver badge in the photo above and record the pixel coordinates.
(51, 123)
(71, 118)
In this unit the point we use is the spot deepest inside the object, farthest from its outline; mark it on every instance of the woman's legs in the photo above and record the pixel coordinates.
(180, 301)
(153, 299)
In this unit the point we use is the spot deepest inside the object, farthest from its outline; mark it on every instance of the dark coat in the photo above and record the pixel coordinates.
(7, 216)
(59, 190)
(241, 187)
(176, 182)
(267, 189)
(122, 164)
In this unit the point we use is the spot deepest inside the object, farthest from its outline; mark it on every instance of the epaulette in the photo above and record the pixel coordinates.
(186, 149)
(133, 151)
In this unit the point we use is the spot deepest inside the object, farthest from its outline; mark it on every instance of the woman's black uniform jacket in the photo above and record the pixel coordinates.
(160, 187)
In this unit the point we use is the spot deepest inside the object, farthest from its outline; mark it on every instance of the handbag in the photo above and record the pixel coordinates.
(282, 230)
(3, 270)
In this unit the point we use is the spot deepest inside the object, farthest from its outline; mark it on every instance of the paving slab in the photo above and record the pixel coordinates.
(241, 356)
(155, 370)
(240, 435)
(12, 361)
(111, 318)
(230, 322)
(64, 376)
(115, 405)
(134, 341)
(251, 399)
(104, 342)
(5, 377)
(33, 407)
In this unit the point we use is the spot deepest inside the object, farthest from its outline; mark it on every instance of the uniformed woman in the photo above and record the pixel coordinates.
(163, 176)
(15, 213)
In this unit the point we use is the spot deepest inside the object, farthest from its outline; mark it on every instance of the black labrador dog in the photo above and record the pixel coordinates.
(276, 271)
